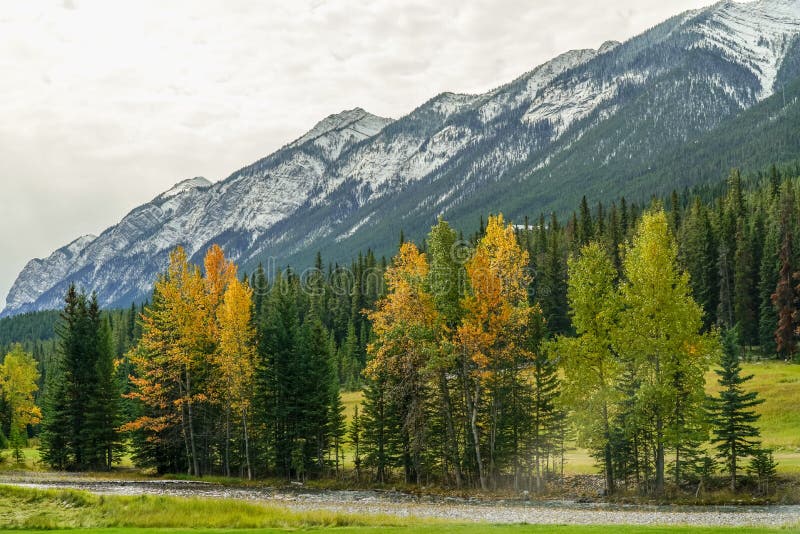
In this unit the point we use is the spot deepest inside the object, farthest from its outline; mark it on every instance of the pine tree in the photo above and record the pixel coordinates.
(731, 412)
(354, 436)
(764, 469)
(54, 435)
(768, 281)
(784, 298)
(552, 282)
(336, 426)
(278, 375)
(745, 306)
(544, 393)
(310, 398)
(697, 254)
(102, 418)
(381, 429)
(585, 228)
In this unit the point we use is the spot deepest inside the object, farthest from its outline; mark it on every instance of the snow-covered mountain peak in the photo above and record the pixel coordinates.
(607, 46)
(525, 88)
(349, 126)
(57, 265)
(185, 185)
(450, 103)
(79, 244)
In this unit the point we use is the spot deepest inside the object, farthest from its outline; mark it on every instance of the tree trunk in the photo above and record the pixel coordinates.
(473, 421)
(608, 459)
(185, 432)
(659, 455)
(451, 433)
(190, 422)
(228, 440)
(493, 444)
(246, 446)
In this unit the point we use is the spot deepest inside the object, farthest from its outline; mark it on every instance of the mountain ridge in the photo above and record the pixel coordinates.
(587, 120)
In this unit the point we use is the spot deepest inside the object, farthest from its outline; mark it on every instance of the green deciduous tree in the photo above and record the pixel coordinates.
(660, 334)
(589, 361)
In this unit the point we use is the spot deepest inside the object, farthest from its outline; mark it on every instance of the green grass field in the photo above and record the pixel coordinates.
(30, 510)
(442, 529)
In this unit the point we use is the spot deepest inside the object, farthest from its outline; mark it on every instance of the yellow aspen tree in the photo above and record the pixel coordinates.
(234, 361)
(173, 349)
(496, 312)
(404, 323)
(19, 376)
(219, 273)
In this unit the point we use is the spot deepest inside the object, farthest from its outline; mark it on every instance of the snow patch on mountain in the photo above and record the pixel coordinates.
(525, 88)
(185, 185)
(754, 34)
(39, 272)
(338, 131)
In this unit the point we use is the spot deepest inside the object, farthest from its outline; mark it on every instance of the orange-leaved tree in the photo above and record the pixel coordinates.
(490, 335)
(195, 351)
(404, 323)
(234, 362)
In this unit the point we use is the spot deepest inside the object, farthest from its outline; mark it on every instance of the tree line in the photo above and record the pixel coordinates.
(479, 357)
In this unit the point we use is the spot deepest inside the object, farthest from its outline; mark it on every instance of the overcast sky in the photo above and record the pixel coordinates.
(104, 104)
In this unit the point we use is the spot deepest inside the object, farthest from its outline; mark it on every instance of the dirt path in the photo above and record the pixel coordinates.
(562, 512)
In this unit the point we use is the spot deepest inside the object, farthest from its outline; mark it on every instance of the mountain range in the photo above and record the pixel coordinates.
(673, 107)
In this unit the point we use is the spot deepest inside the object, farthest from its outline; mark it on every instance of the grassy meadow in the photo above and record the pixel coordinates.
(446, 529)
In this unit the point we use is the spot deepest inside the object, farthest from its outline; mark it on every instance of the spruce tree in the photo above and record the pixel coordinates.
(731, 412)
(381, 429)
(585, 224)
(312, 396)
(768, 281)
(764, 469)
(552, 282)
(54, 436)
(784, 298)
(697, 254)
(745, 305)
(544, 393)
(102, 417)
(354, 436)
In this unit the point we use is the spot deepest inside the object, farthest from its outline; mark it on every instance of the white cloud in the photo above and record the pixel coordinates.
(104, 104)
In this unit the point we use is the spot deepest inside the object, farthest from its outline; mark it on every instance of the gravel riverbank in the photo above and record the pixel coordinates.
(401, 504)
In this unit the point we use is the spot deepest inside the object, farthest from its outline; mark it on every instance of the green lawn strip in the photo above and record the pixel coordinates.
(444, 529)
(31, 510)
(51, 509)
